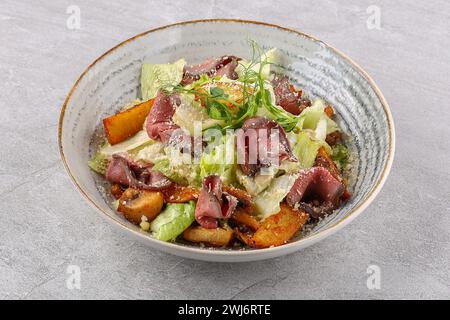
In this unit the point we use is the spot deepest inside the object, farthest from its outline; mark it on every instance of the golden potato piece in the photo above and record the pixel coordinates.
(136, 203)
(217, 237)
(126, 124)
(180, 194)
(278, 229)
(245, 237)
(242, 217)
(243, 197)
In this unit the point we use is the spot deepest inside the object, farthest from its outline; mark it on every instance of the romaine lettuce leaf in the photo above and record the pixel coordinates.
(179, 167)
(177, 173)
(99, 163)
(154, 76)
(272, 57)
(100, 160)
(314, 118)
(255, 185)
(150, 152)
(220, 161)
(267, 202)
(306, 149)
(140, 139)
(175, 218)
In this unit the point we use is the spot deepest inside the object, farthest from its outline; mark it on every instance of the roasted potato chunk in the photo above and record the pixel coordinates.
(134, 204)
(242, 217)
(217, 237)
(180, 194)
(126, 124)
(278, 229)
(245, 237)
(243, 197)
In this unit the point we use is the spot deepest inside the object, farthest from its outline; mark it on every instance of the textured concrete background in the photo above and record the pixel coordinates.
(45, 225)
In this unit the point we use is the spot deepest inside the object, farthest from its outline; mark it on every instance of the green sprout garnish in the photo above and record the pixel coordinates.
(254, 95)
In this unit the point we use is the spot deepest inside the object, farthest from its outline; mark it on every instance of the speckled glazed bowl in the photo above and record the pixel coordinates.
(113, 80)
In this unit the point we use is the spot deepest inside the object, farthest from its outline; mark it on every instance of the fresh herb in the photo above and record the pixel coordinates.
(217, 93)
(262, 96)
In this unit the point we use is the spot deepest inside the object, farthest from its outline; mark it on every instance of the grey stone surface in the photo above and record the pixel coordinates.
(45, 225)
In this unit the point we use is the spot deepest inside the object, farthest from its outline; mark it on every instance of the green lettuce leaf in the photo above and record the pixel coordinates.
(220, 161)
(271, 59)
(179, 167)
(164, 166)
(255, 185)
(151, 152)
(99, 163)
(155, 76)
(175, 218)
(306, 149)
(133, 144)
(267, 202)
(314, 118)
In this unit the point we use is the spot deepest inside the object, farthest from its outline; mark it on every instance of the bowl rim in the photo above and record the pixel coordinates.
(200, 253)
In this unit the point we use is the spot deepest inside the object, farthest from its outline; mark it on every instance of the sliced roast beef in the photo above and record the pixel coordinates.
(261, 143)
(285, 97)
(123, 170)
(159, 124)
(223, 66)
(213, 203)
(316, 191)
(229, 69)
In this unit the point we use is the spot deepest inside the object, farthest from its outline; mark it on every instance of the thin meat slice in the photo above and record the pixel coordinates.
(317, 191)
(324, 160)
(222, 66)
(159, 123)
(125, 171)
(229, 69)
(261, 143)
(287, 98)
(213, 203)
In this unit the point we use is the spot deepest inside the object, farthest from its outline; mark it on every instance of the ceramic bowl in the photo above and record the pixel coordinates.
(112, 80)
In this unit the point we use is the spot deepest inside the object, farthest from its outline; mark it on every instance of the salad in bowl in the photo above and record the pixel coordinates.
(225, 153)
